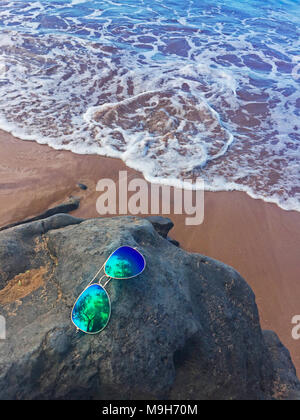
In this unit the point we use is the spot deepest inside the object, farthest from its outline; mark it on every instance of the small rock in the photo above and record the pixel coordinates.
(82, 187)
(71, 205)
(162, 225)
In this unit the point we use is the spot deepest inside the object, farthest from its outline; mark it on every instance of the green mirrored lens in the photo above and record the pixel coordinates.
(91, 311)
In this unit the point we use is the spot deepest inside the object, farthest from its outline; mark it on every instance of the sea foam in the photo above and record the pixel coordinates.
(175, 91)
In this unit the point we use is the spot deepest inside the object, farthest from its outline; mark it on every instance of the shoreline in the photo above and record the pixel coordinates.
(258, 239)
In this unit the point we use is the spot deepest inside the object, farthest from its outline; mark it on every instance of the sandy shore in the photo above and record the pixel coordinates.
(258, 239)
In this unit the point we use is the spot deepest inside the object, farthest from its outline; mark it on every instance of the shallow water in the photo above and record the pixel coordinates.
(176, 89)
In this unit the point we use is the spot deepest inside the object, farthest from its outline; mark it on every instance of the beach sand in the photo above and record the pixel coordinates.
(258, 239)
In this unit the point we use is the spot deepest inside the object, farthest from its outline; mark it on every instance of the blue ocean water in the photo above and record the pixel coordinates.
(176, 89)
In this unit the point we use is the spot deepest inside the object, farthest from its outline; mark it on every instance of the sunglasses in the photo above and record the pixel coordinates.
(92, 309)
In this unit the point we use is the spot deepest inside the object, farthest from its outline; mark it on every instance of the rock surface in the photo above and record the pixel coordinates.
(162, 225)
(188, 327)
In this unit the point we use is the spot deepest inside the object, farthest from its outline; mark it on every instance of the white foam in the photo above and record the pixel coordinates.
(53, 87)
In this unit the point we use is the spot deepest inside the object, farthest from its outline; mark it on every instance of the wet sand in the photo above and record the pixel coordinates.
(258, 239)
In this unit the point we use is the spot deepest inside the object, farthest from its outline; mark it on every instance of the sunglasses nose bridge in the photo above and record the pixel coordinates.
(108, 280)
(100, 280)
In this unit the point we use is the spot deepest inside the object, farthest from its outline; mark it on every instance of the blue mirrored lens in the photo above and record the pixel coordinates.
(124, 263)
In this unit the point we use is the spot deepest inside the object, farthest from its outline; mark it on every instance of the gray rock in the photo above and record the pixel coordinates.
(173, 241)
(187, 327)
(162, 225)
(20, 246)
(286, 382)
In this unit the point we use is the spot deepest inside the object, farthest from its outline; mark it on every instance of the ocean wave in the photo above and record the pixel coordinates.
(175, 93)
